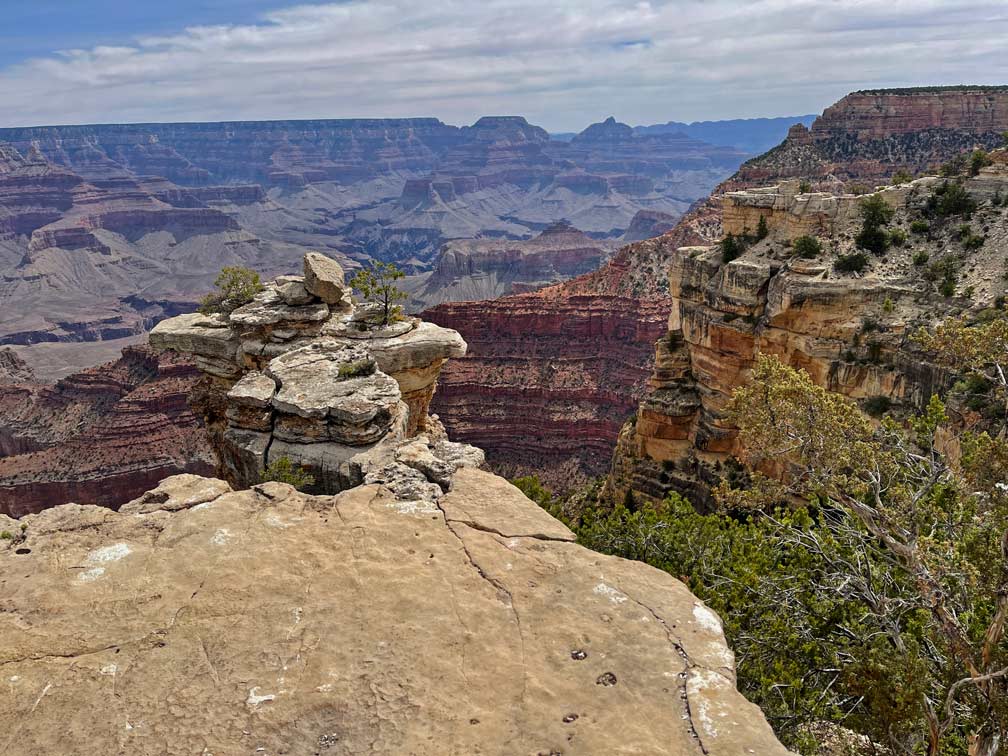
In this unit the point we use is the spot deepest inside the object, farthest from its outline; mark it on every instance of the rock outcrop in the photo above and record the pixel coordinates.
(849, 331)
(301, 373)
(204, 620)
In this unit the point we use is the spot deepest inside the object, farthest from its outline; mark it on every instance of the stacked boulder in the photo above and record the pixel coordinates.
(302, 372)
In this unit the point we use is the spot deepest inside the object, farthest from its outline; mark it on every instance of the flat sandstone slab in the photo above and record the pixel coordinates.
(267, 621)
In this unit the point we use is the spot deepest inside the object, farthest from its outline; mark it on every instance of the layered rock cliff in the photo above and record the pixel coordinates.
(849, 330)
(869, 135)
(106, 229)
(516, 362)
(475, 269)
(101, 436)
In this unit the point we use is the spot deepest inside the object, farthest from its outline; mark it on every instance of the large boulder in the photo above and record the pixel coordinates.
(323, 277)
(267, 621)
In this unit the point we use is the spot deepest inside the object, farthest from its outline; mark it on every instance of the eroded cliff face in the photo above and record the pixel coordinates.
(849, 331)
(869, 135)
(101, 436)
(460, 620)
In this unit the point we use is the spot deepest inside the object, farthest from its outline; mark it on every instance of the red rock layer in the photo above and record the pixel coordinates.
(548, 379)
(101, 436)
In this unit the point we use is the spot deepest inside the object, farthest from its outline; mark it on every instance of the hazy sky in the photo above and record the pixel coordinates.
(561, 64)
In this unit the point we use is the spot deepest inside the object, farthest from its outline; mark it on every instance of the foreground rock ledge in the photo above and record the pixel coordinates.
(198, 620)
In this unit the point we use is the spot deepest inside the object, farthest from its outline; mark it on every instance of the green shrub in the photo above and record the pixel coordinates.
(973, 242)
(858, 189)
(852, 263)
(979, 159)
(954, 167)
(949, 199)
(236, 286)
(875, 214)
(997, 200)
(355, 369)
(902, 176)
(888, 305)
(804, 186)
(920, 258)
(761, 229)
(283, 470)
(806, 247)
(897, 237)
(947, 287)
(876, 406)
(920, 226)
(378, 285)
(731, 248)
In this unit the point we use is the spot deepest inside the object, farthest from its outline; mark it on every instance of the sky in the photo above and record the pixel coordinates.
(561, 64)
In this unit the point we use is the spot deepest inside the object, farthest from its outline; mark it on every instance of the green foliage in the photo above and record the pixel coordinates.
(919, 226)
(355, 369)
(876, 406)
(852, 263)
(887, 305)
(974, 242)
(731, 247)
(949, 199)
(979, 159)
(761, 229)
(6, 535)
(283, 470)
(806, 247)
(921, 258)
(902, 176)
(378, 285)
(947, 287)
(920, 533)
(897, 237)
(235, 286)
(954, 167)
(875, 214)
(997, 200)
(804, 186)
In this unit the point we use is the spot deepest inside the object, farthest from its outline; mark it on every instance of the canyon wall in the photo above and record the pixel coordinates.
(635, 284)
(850, 331)
(102, 436)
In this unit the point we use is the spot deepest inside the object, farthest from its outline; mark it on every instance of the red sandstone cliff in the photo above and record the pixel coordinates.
(101, 436)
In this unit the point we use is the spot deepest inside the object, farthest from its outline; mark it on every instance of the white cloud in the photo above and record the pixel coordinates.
(561, 64)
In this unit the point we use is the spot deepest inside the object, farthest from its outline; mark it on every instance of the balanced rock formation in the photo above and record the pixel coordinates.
(202, 620)
(300, 372)
(849, 331)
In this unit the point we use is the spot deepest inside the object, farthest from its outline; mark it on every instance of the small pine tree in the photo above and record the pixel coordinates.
(378, 285)
(761, 229)
(236, 286)
(283, 470)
